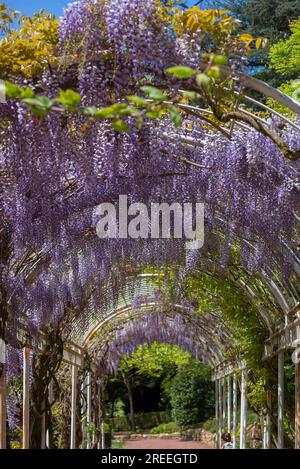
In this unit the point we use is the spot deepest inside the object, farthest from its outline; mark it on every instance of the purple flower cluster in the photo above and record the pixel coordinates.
(53, 174)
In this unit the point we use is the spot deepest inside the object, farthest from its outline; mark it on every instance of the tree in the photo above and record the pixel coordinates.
(149, 366)
(285, 54)
(268, 18)
(192, 395)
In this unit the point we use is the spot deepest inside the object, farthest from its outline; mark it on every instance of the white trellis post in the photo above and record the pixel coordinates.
(244, 408)
(83, 410)
(296, 359)
(234, 416)
(224, 396)
(217, 411)
(267, 422)
(2, 397)
(26, 397)
(267, 427)
(89, 409)
(229, 404)
(74, 406)
(102, 434)
(220, 413)
(280, 431)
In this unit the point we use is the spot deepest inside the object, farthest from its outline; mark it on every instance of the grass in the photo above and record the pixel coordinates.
(117, 444)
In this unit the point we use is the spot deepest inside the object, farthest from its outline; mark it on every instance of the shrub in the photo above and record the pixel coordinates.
(170, 427)
(192, 395)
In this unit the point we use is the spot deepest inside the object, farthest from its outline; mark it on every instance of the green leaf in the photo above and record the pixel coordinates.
(42, 102)
(191, 94)
(220, 60)
(156, 113)
(12, 90)
(130, 111)
(154, 93)
(28, 93)
(176, 117)
(112, 111)
(120, 126)
(181, 72)
(69, 98)
(141, 102)
(39, 105)
(203, 80)
(214, 72)
(90, 111)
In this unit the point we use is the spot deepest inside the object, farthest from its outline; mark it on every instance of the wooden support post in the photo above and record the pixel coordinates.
(297, 403)
(244, 408)
(73, 406)
(229, 404)
(280, 401)
(26, 397)
(234, 416)
(217, 411)
(89, 409)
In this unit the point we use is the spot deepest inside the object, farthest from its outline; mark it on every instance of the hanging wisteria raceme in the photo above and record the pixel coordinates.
(55, 170)
(149, 328)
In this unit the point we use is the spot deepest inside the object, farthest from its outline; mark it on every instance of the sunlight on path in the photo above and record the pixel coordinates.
(164, 443)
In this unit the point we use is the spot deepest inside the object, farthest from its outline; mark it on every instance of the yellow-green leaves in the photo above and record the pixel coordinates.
(220, 60)
(154, 93)
(181, 72)
(12, 90)
(39, 105)
(175, 117)
(202, 80)
(248, 40)
(69, 99)
(28, 49)
(120, 126)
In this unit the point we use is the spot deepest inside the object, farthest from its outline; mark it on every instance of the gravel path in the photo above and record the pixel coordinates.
(164, 443)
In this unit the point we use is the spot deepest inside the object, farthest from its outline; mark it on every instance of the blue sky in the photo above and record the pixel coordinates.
(53, 6)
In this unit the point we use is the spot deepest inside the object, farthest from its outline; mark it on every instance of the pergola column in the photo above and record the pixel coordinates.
(220, 413)
(267, 422)
(234, 416)
(74, 406)
(224, 396)
(280, 409)
(217, 411)
(244, 408)
(102, 434)
(2, 397)
(26, 397)
(229, 404)
(89, 408)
